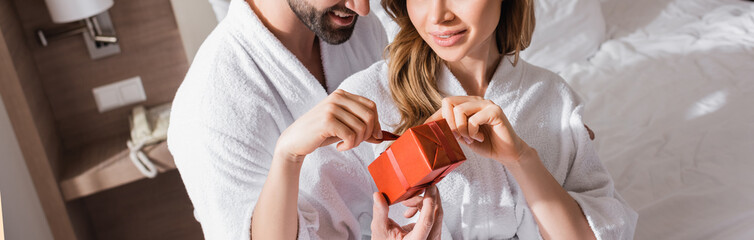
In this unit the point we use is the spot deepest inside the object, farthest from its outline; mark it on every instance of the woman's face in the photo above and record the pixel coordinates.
(455, 29)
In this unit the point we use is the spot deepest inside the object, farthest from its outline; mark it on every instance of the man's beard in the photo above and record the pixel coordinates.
(319, 22)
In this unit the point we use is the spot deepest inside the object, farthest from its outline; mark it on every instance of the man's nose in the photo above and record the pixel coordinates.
(361, 7)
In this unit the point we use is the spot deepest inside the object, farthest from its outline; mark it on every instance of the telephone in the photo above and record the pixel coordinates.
(148, 126)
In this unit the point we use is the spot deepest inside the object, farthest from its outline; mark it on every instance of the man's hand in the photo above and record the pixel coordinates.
(429, 225)
(341, 116)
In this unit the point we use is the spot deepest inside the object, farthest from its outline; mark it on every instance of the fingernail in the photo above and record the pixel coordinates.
(467, 140)
(379, 135)
(456, 134)
(478, 139)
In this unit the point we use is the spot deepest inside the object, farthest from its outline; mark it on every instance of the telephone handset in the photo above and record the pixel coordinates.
(148, 126)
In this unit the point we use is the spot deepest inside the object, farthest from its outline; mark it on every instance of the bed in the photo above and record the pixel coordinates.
(670, 95)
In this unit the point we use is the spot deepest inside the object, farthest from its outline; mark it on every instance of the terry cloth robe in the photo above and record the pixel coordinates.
(242, 90)
(480, 198)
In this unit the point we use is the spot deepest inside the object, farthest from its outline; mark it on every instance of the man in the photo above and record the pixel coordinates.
(265, 65)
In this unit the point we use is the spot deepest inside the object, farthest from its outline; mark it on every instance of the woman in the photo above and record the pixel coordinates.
(531, 169)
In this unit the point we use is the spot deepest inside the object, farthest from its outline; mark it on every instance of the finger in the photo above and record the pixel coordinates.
(409, 227)
(435, 116)
(342, 131)
(490, 115)
(457, 100)
(436, 231)
(354, 124)
(426, 217)
(379, 212)
(414, 205)
(470, 109)
(448, 104)
(461, 124)
(367, 111)
(447, 113)
(434, 193)
(410, 212)
(414, 201)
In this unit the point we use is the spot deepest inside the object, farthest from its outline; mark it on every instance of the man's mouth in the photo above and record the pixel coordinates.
(341, 18)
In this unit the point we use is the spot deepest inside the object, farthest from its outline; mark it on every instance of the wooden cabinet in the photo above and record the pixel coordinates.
(77, 157)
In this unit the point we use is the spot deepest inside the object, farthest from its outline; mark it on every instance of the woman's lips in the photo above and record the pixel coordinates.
(342, 19)
(447, 38)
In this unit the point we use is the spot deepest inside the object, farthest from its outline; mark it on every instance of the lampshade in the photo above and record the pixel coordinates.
(63, 11)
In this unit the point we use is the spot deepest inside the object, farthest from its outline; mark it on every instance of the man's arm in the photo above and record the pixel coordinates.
(341, 117)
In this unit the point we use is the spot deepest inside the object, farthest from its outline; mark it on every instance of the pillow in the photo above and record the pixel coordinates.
(567, 31)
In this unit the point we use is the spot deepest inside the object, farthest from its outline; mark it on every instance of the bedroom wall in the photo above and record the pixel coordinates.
(195, 20)
(47, 92)
(29, 113)
(151, 48)
(22, 211)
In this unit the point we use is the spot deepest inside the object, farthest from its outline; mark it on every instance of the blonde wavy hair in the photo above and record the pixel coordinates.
(413, 65)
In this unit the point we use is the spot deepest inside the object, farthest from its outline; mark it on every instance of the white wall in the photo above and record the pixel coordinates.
(22, 213)
(195, 20)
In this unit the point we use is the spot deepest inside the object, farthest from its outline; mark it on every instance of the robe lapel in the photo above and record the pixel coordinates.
(505, 82)
(296, 86)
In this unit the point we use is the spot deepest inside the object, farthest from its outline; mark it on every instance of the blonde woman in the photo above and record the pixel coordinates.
(531, 170)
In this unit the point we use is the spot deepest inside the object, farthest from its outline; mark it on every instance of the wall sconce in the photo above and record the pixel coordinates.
(86, 17)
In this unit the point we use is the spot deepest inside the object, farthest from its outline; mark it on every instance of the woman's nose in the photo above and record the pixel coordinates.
(439, 12)
(361, 7)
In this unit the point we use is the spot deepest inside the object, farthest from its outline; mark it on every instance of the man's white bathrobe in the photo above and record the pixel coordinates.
(242, 90)
(481, 199)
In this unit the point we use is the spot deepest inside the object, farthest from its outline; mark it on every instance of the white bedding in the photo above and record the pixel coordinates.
(670, 97)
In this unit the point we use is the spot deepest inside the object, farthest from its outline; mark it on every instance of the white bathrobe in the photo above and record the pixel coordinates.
(481, 199)
(242, 90)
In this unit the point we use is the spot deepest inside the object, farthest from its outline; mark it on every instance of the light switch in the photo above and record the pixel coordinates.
(119, 94)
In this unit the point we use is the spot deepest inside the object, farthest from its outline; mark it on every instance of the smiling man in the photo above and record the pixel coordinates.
(266, 64)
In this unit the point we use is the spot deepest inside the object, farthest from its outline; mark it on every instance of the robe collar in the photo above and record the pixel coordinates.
(298, 88)
(505, 80)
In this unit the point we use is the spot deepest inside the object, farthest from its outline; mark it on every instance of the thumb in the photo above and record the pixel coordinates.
(435, 116)
(379, 212)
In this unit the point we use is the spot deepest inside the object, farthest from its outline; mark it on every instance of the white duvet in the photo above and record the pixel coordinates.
(670, 96)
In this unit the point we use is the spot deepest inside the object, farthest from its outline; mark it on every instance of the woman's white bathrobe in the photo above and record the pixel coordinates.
(481, 200)
(242, 90)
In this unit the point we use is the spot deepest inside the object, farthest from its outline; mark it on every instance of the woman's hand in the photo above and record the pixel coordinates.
(429, 225)
(341, 116)
(483, 126)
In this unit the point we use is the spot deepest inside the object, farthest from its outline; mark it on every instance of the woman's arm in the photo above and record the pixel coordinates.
(276, 212)
(486, 130)
(557, 213)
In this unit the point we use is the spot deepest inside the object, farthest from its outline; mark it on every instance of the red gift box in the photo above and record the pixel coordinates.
(421, 157)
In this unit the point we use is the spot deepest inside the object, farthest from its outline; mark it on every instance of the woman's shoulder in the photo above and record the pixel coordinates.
(536, 74)
(545, 82)
(371, 82)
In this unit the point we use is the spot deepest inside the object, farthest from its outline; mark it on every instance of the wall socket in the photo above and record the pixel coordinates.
(119, 94)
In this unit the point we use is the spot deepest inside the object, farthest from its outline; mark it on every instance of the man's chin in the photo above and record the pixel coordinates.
(336, 34)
